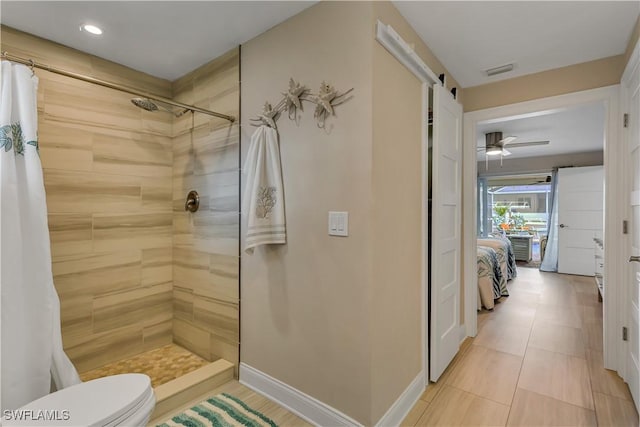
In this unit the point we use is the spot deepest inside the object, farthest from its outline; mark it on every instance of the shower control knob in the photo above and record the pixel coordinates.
(193, 201)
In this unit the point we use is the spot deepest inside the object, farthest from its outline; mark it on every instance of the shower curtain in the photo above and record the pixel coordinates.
(550, 260)
(31, 354)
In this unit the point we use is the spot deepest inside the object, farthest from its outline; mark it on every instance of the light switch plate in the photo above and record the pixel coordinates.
(338, 223)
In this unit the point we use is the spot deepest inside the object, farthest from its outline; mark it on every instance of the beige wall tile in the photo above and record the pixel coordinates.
(89, 274)
(218, 317)
(100, 349)
(88, 192)
(141, 231)
(157, 266)
(156, 193)
(76, 319)
(191, 338)
(182, 303)
(70, 234)
(143, 306)
(157, 335)
(63, 147)
(142, 155)
(222, 349)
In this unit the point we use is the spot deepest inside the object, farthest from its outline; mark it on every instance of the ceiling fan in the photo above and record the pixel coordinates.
(495, 144)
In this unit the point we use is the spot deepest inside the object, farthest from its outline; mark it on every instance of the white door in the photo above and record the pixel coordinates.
(446, 226)
(633, 155)
(580, 218)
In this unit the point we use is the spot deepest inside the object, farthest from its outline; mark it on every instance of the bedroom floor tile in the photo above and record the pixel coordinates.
(603, 380)
(460, 408)
(533, 409)
(557, 375)
(561, 339)
(508, 338)
(487, 373)
(553, 321)
(559, 315)
(615, 412)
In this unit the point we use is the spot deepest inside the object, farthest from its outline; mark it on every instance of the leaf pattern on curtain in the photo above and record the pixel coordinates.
(11, 136)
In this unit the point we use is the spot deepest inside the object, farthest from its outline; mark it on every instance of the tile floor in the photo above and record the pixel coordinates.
(161, 364)
(537, 360)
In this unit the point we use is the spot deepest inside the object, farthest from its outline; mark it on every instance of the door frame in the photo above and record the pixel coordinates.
(614, 202)
(626, 275)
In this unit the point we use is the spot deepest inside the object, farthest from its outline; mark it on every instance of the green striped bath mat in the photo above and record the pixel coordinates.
(222, 410)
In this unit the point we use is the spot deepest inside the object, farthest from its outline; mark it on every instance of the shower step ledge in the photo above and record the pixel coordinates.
(175, 393)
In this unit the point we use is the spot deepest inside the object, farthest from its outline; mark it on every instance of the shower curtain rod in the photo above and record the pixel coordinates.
(122, 88)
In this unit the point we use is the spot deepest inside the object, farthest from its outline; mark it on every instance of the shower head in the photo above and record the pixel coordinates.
(145, 104)
(149, 105)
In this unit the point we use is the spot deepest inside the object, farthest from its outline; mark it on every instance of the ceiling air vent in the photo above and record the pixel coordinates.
(499, 70)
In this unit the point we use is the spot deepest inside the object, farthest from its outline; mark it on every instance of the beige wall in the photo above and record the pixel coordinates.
(540, 164)
(559, 81)
(396, 286)
(339, 318)
(306, 305)
(205, 243)
(107, 173)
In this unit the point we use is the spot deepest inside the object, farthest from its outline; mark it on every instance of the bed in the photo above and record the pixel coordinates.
(506, 257)
(496, 265)
(491, 283)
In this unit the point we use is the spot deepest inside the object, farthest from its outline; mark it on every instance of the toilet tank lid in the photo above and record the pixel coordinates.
(94, 403)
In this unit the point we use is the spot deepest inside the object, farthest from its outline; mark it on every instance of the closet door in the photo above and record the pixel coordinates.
(580, 217)
(446, 230)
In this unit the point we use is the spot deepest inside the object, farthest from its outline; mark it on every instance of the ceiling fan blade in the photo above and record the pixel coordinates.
(508, 140)
(506, 152)
(528, 144)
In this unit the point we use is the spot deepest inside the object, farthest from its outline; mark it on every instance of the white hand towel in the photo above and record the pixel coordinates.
(263, 202)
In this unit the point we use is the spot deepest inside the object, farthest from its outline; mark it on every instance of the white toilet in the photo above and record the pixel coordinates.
(118, 400)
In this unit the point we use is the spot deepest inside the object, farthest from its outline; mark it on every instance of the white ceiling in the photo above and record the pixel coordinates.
(166, 39)
(574, 130)
(469, 37)
(170, 38)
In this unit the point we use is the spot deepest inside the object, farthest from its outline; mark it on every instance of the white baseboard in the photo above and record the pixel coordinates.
(463, 333)
(301, 404)
(399, 410)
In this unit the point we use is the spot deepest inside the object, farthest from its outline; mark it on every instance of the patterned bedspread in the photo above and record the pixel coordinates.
(489, 266)
(504, 250)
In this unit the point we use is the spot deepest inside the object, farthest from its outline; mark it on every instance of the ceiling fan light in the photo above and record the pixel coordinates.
(493, 151)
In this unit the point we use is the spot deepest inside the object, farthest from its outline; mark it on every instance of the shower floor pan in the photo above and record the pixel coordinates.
(161, 365)
(178, 376)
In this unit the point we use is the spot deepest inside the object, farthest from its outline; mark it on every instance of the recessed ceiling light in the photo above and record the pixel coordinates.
(92, 29)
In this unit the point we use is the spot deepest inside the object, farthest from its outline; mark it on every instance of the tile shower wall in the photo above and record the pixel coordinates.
(205, 243)
(108, 177)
